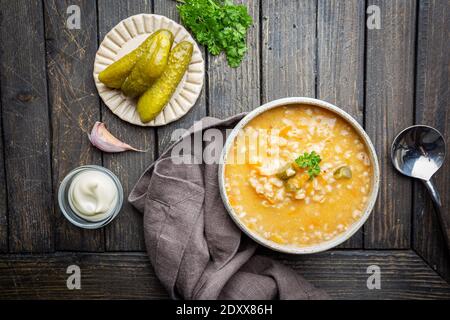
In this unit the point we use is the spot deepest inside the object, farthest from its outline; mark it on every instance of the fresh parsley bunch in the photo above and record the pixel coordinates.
(219, 25)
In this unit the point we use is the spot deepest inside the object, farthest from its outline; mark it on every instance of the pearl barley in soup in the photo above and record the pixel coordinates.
(298, 175)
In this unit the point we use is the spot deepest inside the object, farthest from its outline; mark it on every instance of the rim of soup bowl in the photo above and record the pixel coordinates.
(323, 246)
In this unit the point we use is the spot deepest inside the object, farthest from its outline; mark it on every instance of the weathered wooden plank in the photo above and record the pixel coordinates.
(235, 90)
(74, 106)
(103, 276)
(198, 111)
(26, 126)
(288, 49)
(125, 232)
(343, 274)
(3, 201)
(389, 108)
(432, 108)
(340, 62)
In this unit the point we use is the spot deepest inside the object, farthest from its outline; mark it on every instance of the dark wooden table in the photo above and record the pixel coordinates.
(387, 78)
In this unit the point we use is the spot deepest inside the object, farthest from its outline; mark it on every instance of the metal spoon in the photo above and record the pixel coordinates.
(419, 152)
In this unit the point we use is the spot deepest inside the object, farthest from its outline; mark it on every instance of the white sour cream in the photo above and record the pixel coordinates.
(92, 195)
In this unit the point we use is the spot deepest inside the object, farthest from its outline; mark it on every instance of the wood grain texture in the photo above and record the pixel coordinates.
(26, 130)
(3, 199)
(235, 90)
(125, 232)
(74, 107)
(340, 63)
(288, 49)
(343, 274)
(389, 108)
(198, 111)
(103, 276)
(432, 108)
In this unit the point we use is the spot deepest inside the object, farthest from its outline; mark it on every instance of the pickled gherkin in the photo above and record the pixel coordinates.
(115, 74)
(158, 95)
(343, 172)
(286, 172)
(150, 65)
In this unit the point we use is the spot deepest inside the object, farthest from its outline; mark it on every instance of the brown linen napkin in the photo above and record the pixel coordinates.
(195, 248)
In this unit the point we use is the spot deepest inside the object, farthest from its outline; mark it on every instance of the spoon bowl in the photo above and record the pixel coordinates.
(418, 152)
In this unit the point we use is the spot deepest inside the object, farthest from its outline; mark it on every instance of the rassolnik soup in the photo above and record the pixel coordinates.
(298, 175)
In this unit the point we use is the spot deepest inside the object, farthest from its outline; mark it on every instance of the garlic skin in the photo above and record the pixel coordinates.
(105, 141)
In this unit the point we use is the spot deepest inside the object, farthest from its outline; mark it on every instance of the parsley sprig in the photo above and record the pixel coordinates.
(219, 25)
(310, 161)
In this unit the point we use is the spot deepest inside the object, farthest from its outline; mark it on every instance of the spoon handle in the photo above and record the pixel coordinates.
(444, 218)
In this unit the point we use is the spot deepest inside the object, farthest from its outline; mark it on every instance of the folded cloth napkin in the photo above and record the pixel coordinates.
(197, 251)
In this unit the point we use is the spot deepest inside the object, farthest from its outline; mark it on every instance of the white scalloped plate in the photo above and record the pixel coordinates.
(125, 37)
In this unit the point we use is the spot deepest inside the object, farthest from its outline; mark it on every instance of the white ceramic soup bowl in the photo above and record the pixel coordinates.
(323, 245)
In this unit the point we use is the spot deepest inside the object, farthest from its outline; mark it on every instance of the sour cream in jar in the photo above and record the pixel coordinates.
(92, 195)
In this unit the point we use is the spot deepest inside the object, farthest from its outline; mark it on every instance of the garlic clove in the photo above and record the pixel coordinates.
(105, 141)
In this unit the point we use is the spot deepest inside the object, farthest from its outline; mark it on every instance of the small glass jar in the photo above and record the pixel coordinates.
(73, 217)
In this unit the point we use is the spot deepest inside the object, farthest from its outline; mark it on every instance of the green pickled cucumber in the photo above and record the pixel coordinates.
(286, 172)
(150, 65)
(158, 95)
(115, 74)
(343, 172)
